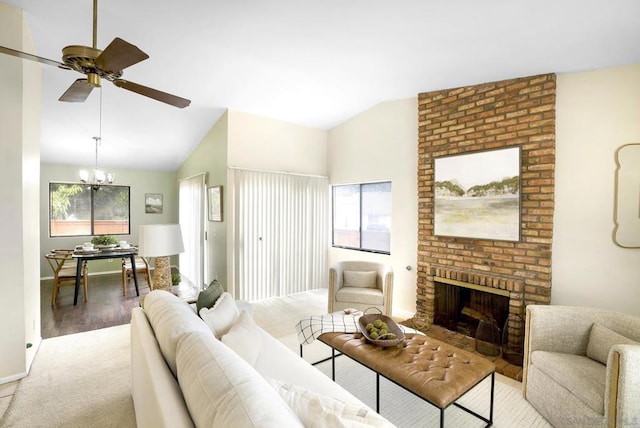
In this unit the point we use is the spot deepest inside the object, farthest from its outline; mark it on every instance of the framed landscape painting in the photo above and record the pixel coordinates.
(477, 195)
(153, 203)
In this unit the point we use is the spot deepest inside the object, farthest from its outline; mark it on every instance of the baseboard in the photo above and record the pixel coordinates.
(24, 374)
(13, 378)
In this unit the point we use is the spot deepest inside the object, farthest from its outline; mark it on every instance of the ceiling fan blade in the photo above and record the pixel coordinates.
(25, 55)
(77, 92)
(152, 93)
(119, 55)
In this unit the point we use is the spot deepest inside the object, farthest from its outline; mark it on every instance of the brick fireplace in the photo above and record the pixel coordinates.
(515, 112)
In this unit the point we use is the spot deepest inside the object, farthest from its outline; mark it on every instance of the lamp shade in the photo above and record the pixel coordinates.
(160, 240)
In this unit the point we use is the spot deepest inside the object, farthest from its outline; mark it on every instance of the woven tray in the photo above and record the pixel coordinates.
(391, 326)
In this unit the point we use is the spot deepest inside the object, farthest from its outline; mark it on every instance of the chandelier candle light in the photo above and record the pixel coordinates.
(160, 241)
(99, 176)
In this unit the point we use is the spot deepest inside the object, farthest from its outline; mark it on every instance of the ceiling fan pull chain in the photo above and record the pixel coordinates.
(100, 122)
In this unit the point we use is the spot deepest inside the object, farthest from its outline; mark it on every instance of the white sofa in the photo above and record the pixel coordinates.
(183, 376)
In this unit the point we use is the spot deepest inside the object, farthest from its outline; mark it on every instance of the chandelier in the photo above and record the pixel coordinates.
(99, 176)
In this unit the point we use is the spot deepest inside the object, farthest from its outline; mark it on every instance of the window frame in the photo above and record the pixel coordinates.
(333, 212)
(93, 189)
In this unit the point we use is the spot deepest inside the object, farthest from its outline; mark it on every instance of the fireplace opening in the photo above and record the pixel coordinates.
(475, 311)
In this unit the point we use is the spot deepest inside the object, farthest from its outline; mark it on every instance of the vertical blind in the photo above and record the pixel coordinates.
(191, 213)
(282, 233)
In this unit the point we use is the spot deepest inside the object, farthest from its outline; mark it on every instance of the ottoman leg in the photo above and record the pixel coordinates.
(377, 392)
(493, 384)
(333, 364)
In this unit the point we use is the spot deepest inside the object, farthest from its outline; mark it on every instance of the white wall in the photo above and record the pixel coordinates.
(19, 162)
(257, 142)
(382, 144)
(32, 109)
(597, 112)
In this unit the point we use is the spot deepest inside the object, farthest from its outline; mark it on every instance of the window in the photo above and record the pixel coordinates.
(81, 210)
(362, 217)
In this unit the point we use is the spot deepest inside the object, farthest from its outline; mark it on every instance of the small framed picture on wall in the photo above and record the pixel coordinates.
(153, 203)
(214, 196)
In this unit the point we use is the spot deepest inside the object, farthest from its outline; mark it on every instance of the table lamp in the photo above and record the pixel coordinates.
(160, 241)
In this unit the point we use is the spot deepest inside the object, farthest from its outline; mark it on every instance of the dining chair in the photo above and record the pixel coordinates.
(142, 266)
(64, 272)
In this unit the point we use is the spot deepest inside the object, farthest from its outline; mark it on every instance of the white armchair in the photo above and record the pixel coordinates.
(582, 366)
(360, 285)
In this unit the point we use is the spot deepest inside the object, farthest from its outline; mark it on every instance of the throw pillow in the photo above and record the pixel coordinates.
(363, 279)
(221, 316)
(601, 339)
(321, 411)
(222, 390)
(208, 297)
(244, 338)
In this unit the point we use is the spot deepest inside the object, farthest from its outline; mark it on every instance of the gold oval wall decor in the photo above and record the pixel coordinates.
(626, 209)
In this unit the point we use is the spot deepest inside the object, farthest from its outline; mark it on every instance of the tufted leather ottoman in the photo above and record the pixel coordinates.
(433, 370)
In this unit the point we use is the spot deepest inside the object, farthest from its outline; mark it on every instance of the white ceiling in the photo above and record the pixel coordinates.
(309, 63)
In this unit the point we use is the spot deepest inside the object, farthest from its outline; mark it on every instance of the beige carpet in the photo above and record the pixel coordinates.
(84, 379)
(78, 380)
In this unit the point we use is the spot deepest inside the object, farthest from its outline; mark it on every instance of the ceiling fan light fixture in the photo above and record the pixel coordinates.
(93, 80)
(96, 64)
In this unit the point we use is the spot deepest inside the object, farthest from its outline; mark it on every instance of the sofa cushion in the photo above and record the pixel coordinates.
(244, 338)
(221, 316)
(365, 296)
(366, 279)
(207, 298)
(601, 339)
(278, 361)
(170, 317)
(321, 411)
(583, 377)
(221, 389)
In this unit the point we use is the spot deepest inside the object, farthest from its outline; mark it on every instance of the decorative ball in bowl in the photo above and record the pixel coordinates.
(380, 330)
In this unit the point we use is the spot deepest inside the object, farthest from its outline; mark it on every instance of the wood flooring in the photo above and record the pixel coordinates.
(106, 306)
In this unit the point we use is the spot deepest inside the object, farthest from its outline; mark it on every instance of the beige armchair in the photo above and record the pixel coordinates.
(582, 366)
(360, 285)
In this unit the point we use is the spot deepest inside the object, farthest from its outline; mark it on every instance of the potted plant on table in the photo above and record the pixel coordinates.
(105, 241)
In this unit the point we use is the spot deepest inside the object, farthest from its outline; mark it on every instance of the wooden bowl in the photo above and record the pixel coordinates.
(391, 326)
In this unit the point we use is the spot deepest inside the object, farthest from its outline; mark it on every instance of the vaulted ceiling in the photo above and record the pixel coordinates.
(310, 63)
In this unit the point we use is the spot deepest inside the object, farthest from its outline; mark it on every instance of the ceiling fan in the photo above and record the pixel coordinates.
(96, 64)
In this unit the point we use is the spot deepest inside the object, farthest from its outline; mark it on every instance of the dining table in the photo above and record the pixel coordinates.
(100, 254)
